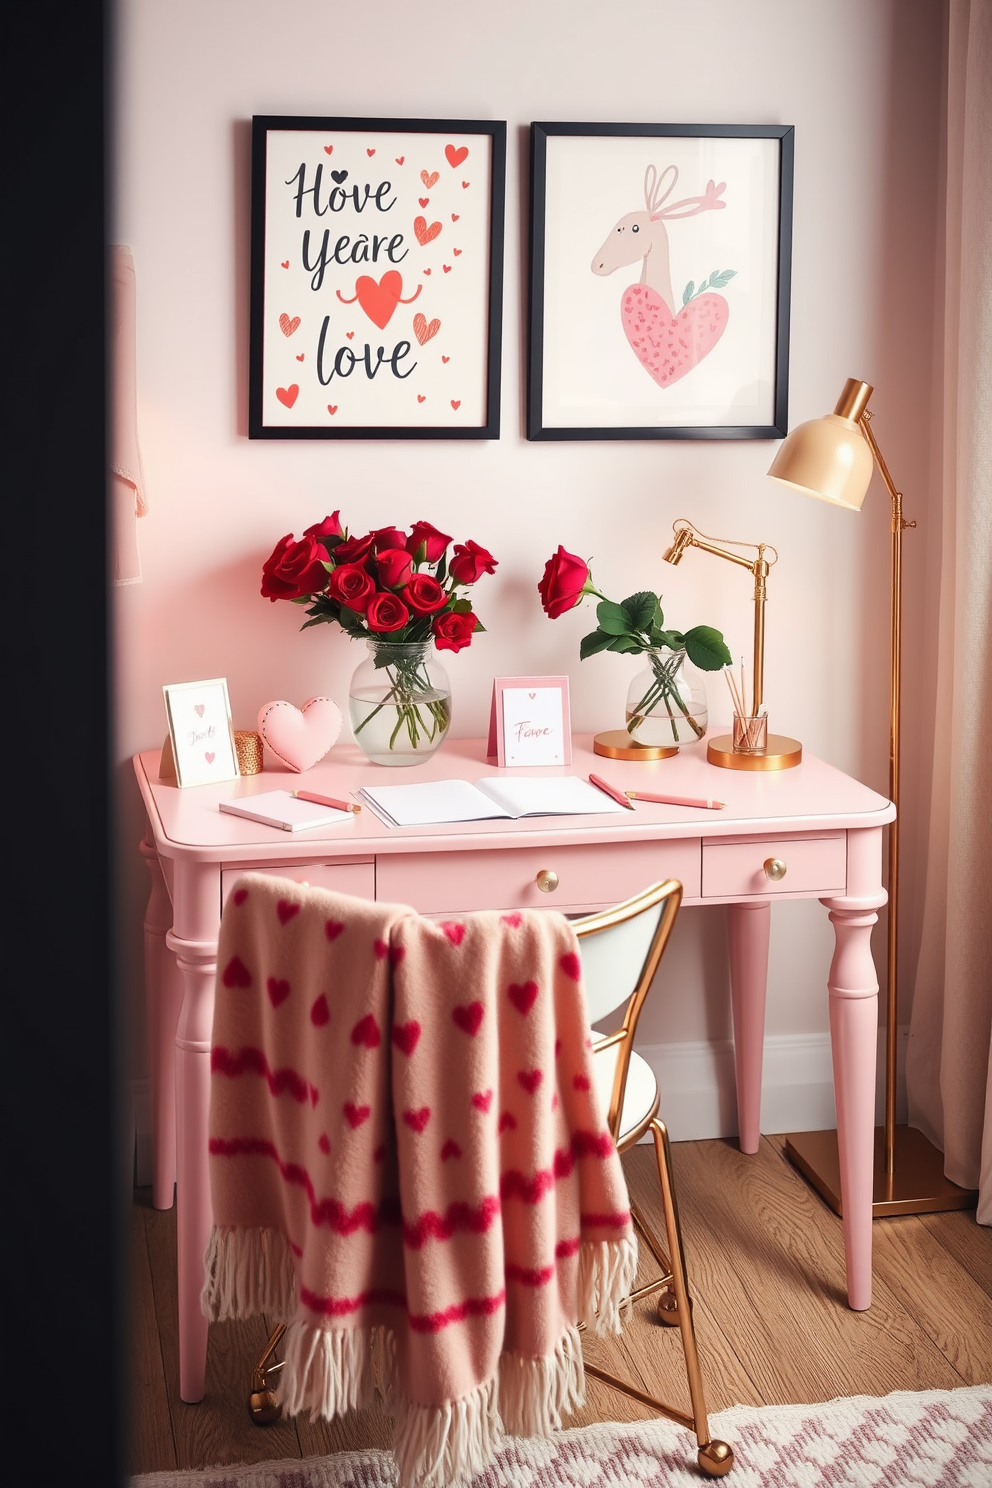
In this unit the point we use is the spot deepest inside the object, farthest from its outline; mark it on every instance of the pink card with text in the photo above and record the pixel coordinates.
(529, 722)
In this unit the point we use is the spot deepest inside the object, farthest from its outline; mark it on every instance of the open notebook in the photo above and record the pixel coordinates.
(436, 801)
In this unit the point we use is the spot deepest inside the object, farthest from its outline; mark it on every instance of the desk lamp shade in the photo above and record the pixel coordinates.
(829, 457)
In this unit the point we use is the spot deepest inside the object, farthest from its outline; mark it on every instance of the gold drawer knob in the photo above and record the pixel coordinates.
(775, 869)
(547, 880)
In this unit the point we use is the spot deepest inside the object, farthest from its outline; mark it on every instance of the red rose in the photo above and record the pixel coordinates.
(424, 594)
(385, 612)
(433, 541)
(350, 585)
(329, 527)
(294, 569)
(563, 583)
(354, 549)
(388, 537)
(395, 566)
(470, 562)
(454, 630)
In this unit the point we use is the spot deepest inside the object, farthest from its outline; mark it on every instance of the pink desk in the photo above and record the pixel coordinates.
(825, 827)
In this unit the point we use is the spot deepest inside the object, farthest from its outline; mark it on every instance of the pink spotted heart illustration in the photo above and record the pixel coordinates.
(468, 1017)
(522, 995)
(406, 1035)
(356, 1115)
(530, 1079)
(482, 1100)
(666, 345)
(417, 1120)
(278, 990)
(366, 1033)
(299, 737)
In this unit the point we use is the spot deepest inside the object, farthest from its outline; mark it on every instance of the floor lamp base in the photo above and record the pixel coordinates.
(917, 1185)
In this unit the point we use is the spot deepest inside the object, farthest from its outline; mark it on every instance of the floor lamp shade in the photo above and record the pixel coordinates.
(829, 457)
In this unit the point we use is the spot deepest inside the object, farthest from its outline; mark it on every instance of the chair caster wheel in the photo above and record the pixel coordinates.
(716, 1458)
(668, 1308)
(264, 1407)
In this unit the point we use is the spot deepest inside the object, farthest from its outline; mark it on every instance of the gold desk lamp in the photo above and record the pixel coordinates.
(781, 752)
(833, 458)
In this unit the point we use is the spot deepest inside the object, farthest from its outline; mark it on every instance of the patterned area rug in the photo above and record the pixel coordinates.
(932, 1439)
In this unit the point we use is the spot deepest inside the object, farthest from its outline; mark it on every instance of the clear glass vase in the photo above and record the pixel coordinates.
(400, 702)
(666, 703)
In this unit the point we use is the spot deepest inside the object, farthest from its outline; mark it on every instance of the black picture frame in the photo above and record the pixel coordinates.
(560, 404)
(313, 230)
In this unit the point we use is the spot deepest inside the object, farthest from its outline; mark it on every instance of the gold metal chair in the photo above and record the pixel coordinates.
(621, 949)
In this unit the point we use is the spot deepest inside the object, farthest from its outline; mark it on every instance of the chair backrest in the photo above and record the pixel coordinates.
(621, 950)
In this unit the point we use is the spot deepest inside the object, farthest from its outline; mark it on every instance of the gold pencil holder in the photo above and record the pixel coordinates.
(248, 748)
(750, 734)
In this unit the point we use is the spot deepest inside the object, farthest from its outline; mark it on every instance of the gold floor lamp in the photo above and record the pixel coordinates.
(833, 458)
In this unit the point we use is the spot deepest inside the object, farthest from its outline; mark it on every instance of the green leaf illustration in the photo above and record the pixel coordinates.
(688, 292)
(720, 277)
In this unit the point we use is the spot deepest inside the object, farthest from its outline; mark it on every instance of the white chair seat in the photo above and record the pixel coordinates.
(640, 1096)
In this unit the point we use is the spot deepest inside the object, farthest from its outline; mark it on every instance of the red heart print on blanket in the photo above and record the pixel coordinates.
(236, 973)
(405, 1036)
(468, 1017)
(450, 1149)
(299, 737)
(530, 1079)
(278, 990)
(417, 1120)
(522, 995)
(356, 1115)
(454, 930)
(239, 896)
(423, 233)
(333, 929)
(366, 1033)
(666, 345)
(482, 1100)
(320, 1013)
(571, 965)
(455, 157)
(286, 909)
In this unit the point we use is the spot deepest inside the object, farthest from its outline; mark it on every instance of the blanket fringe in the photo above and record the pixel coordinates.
(248, 1272)
(328, 1371)
(534, 1394)
(606, 1276)
(436, 1446)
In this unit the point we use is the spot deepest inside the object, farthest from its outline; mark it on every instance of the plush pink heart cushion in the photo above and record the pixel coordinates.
(299, 737)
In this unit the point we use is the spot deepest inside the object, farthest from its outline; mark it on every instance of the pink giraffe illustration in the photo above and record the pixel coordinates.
(668, 345)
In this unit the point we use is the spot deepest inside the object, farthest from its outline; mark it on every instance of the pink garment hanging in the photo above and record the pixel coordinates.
(126, 496)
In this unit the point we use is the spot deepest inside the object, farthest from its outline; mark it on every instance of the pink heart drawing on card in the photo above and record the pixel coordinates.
(199, 709)
(666, 345)
(299, 737)
(209, 756)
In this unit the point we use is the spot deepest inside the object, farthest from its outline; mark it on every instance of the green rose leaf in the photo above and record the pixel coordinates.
(641, 610)
(706, 648)
(590, 644)
(611, 618)
(625, 644)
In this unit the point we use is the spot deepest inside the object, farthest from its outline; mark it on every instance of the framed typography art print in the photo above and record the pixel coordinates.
(376, 278)
(660, 262)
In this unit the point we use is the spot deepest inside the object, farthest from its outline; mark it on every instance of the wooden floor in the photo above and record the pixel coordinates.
(766, 1269)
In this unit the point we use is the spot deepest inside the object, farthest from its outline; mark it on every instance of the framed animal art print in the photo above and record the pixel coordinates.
(660, 262)
(376, 278)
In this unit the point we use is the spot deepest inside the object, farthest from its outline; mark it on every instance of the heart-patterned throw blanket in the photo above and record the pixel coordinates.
(409, 1166)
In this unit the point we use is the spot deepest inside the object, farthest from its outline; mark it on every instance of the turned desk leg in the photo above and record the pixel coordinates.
(163, 999)
(853, 991)
(197, 963)
(748, 928)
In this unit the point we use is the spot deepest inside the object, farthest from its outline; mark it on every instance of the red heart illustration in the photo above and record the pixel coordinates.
(466, 185)
(429, 180)
(445, 359)
(456, 403)
(530, 1079)
(366, 1033)
(454, 931)
(514, 919)
(581, 1082)
(427, 272)
(666, 345)
(240, 895)
(468, 1017)
(289, 395)
(370, 153)
(350, 335)
(328, 149)
(455, 216)
(456, 251)
(332, 408)
(507, 1122)
(423, 200)
(320, 1013)
(301, 356)
(324, 1142)
(400, 159)
(356, 1115)
(455, 157)
(482, 1100)
(571, 965)
(379, 300)
(446, 268)
(522, 995)
(422, 330)
(209, 756)
(406, 1036)
(288, 326)
(421, 397)
(450, 1149)
(285, 263)
(278, 990)
(236, 973)
(423, 233)
(417, 1120)
(286, 910)
(333, 929)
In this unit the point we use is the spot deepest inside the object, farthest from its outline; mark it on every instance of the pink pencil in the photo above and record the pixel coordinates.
(676, 800)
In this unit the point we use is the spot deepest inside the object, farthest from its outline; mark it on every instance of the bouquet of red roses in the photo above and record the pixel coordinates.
(389, 584)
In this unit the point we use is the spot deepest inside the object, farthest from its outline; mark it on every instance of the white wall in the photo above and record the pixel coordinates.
(859, 82)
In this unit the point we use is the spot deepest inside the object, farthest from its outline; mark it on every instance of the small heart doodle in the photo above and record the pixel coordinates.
(288, 395)
(422, 330)
(454, 156)
(288, 326)
(429, 178)
(339, 176)
(328, 149)
(423, 233)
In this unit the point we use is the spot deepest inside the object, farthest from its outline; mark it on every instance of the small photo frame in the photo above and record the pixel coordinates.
(201, 731)
(530, 722)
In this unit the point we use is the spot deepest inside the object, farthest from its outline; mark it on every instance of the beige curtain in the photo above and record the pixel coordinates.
(949, 1064)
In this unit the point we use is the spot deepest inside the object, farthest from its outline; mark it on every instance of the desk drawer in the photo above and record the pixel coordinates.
(589, 877)
(342, 878)
(813, 865)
